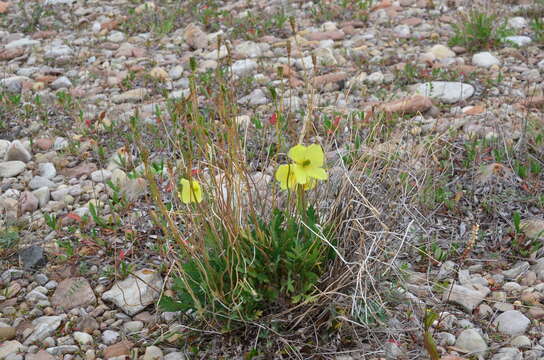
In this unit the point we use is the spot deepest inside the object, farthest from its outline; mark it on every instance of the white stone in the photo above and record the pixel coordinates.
(22, 43)
(508, 353)
(519, 40)
(4, 145)
(61, 82)
(445, 91)
(471, 341)
(43, 327)
(244, 67)
(133, 294)
(512, 322)
(102, 175)
(55, 51)
(469, 297)
(13, 84)
(43, 195)
(82, 338)
(10, 347)
(517, 22)
(11, 168)
(485, 59)
(110, 337)
(441, 52)
(402, 31)
(47, 170)
(153, 353)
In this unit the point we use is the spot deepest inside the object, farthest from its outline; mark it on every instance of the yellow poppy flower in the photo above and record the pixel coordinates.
(286, 177)
(308, 164)
(190, 191)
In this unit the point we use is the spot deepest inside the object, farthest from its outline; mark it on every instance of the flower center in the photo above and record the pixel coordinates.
(306, 163)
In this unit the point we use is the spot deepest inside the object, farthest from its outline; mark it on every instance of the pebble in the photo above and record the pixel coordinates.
(471, 341)
(511, 323)
(110, 337)
(11, 168)
(485, 59)
(445, 91)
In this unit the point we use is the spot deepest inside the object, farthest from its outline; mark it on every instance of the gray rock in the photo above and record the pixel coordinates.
(176, 72)
(110, 337)
(11, 168)
(446, 91)
(82, 338)
(39, 182)
(175, 356)
(24, 42)
(153, 353)
(102, 175)
(133, 294)
(485, 59)
(517, 22)
(60, 143)
(521, 341)
(63, 349)
(61, 82)
(133, 326)
(518, 40)
(519, 269)
(18, 152)
(257, 97)
(392, 351)
(512, 322)
(32, 257)
(402, 31)
(508, 354)
(4, 145)
(43, 195)
(250, 49)
(244, 67)
(10, 347)
(472, 342)
(57, 50)
(13, 84)
(469, 297)
(47, 170)
(43, 327)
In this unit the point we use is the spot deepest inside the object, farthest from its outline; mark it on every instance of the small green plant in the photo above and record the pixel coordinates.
(537, 25)
(428, 340)
(52, 221)
(8, 239)
(479, 30)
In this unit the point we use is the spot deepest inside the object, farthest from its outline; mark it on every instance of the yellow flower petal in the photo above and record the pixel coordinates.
(317, 173)
(286, 177)
(300, 174)
(315, 154)
(297, 154)
(190, 191)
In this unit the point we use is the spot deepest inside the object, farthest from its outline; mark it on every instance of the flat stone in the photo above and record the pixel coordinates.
(102, 175)
(72, 293)
(442, 52)
(110, 337)
(62, 349)
(14, 84)
(471, 341)
(508, 353)
(24, 42)
(519, 40)
(39, 182)
(469, 297)
(116, 350)
(43, 327)
(32, 257)
(153, 353)
(11, 168)
(10, 347)
(131, 96)
(79, 171)
(446, 91)
(47, 170)
(133, 294)
(512, 322)
(518, 270)
(485, 59)
(40, 355)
